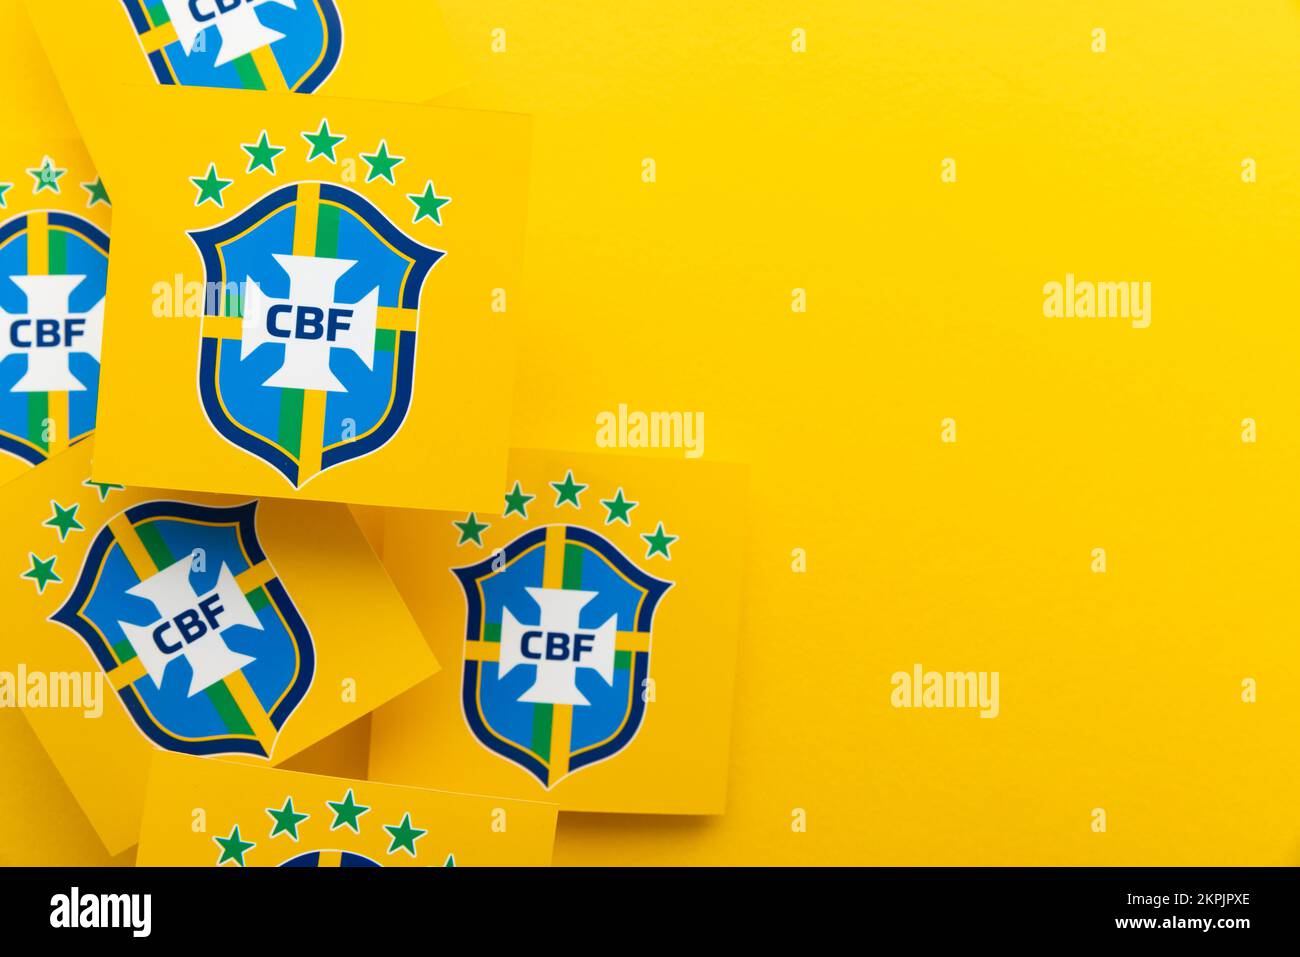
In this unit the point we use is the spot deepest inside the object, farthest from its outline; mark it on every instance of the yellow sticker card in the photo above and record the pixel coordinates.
(54, 244)
(34, 105)
(311, 298)
(215, 813)
(590, 630)
(395, 50)
(40, 822)
(140, 620)
(54, 225)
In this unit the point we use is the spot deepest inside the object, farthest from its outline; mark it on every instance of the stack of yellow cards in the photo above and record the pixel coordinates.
(307, 306)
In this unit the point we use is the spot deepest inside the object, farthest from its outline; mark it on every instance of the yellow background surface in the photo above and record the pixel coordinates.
(821, 171)
(234, 795)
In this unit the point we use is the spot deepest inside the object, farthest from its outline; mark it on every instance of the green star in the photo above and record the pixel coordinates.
(404, 836)
(323, 142)
(381, 163)
(471, 530)
(210, 186)
(41, 572)
(233, 848)
(286, 819)
(517, 501)
(4, 188)
(65, 520)
(618, 507)
(261, 154)
(428, 204)
(98, 194)
(568, 490)
(451, 861)
(103, 488)
(346, 812)
(659, 542)
(47, 176)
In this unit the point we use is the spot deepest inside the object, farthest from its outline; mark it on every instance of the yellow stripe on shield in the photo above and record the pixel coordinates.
(159, 37)
(311, 437)
(57, 419)
(269, 70)
(561, 714)
(38, 244)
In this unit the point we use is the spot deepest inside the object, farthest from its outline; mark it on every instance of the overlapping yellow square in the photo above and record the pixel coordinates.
(215, 813)
(266, 602)
(589, 632)
(398, 50)
(246, 350)
(55, 218)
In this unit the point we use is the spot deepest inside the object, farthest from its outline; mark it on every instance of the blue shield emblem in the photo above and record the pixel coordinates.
(53, 270)
(184, 612)
(308, 346)
(239, 44)
(557, 650)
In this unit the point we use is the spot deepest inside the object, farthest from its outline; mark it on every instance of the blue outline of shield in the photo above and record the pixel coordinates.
(111, 650)
(162, 50)
(478, 670)
(26, 447)
(403, 297)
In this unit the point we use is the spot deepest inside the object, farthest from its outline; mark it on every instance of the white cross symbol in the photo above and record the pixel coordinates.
(558, 646)
(48, 333)
(182, 611)
(331, 325)
(242, 31)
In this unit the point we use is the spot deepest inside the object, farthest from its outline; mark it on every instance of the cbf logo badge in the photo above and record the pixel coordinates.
(240, 44)
(308, 351)
(53, 269)
(558, 642)
(184, 612)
